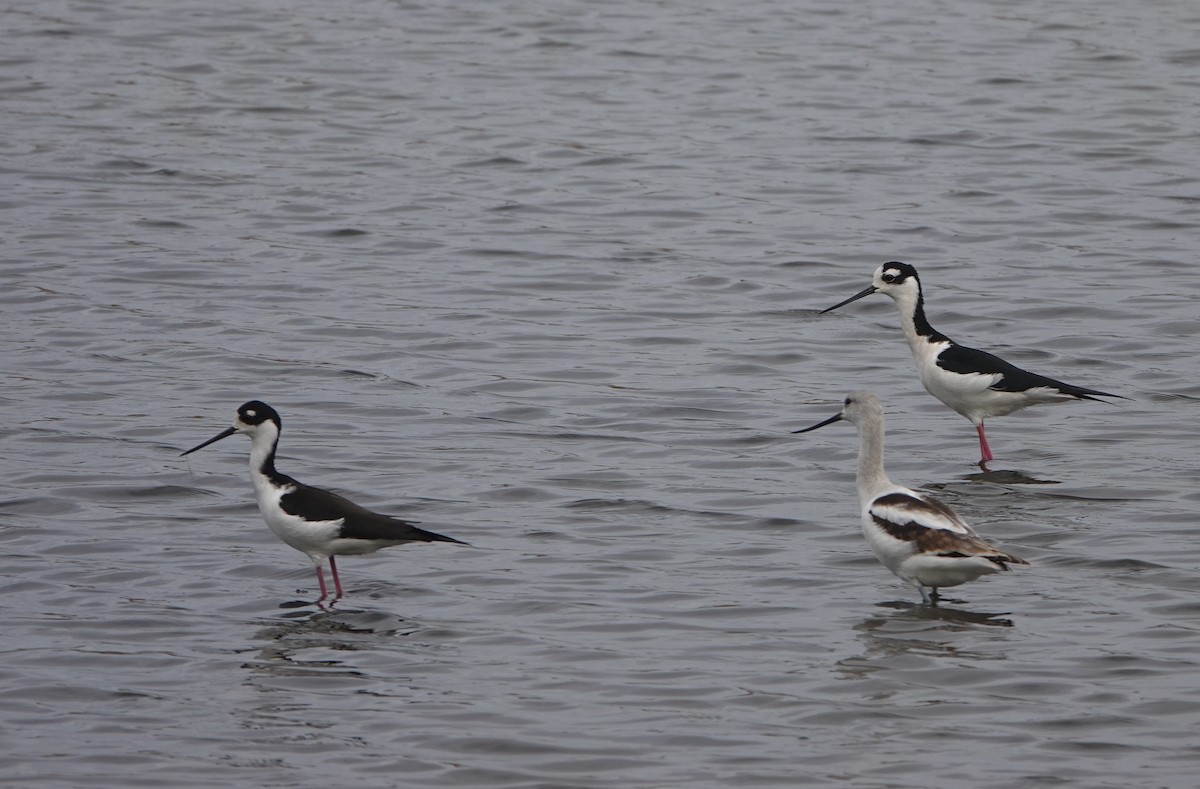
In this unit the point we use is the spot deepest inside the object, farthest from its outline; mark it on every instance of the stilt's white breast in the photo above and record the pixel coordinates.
(315, 538)
(967, 393)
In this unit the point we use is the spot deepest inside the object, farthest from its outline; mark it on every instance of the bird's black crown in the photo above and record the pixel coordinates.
(896, 272)
(256, 412)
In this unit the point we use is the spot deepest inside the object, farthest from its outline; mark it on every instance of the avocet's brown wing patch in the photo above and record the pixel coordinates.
(933, 528)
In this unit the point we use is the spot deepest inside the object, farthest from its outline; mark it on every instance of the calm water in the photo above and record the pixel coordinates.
(544, 277)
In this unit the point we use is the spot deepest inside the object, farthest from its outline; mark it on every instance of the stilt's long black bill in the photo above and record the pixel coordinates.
(223, 434)
(829, 421)
(855, 297)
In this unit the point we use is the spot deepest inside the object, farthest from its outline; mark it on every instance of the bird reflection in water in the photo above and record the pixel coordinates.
(913, 629)
(282, 646)
(1008, 477)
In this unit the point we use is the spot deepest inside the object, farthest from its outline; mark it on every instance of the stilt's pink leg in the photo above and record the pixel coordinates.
(337, 582)
(321, 581)
(985, 452)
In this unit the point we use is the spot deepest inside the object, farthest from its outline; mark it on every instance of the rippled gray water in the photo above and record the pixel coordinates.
(545, 277)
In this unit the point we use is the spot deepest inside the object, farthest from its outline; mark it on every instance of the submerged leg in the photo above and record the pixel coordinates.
(934, 596)
(985, 452)
(337, 582)
(924, 596)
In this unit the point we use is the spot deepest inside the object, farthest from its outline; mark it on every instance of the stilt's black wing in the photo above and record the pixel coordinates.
(959, 359)
(358, 523)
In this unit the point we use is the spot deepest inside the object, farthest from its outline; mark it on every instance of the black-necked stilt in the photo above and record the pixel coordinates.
(917, 537)
(314, 521)
(974, 383)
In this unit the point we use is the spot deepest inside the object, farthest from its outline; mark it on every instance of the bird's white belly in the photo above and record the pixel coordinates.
(311, 537)
(945, 571)
(890, 552)
(970, 394)
(921, 569)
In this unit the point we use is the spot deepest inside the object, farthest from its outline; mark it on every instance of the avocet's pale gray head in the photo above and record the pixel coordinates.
(253, 418)
(898, 280)
(862, 407)
(859, 408)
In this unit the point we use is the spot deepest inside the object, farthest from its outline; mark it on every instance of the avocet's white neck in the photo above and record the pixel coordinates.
(871, 477)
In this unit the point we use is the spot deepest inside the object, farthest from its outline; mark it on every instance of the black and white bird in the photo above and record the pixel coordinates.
(318, 523)
(974, 383)
(917, 537)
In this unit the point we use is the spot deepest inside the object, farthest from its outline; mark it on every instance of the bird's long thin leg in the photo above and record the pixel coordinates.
(934, 596)
(337, 582)
(924, 596)
(321, 581)
(985, 452)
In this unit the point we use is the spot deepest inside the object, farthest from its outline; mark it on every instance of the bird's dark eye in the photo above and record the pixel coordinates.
(889, 277)
(847, 401)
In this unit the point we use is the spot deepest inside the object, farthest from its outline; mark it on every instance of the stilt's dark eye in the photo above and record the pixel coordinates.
(847, 401)
(889, 277)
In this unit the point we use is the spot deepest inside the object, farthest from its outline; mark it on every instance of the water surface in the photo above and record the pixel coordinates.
(546, 278)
